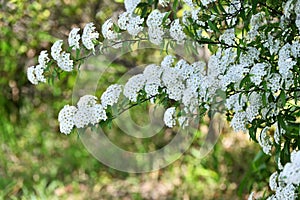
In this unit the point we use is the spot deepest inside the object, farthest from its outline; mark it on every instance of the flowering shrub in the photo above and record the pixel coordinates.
(254, 69)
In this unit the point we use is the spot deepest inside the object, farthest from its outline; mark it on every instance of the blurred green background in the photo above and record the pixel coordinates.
(37, 162)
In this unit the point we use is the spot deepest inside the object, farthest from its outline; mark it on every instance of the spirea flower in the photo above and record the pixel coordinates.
(164, 3)
(107, 30)
(130, 5)
(62, 58)
(238, 122)
(43, 58)
(74, 38)
(264, 141)
(228, 37)
(89, 112)
(134, 85)
(35, 74)
(111, 95)
(169, 118)
(56, 49)
(155, 29)
(66, 119)
(189, 3)
(64, 62)
(134, 26)
(89, 34)
(31, 75)
(176, 31)
(131, 23)
(291, 171)
(87, 101)
(257, 72)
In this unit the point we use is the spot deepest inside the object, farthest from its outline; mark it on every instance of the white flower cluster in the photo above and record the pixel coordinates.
(287, 59)
(164, 3)
(285, 183)
(111, 95)
(87, 112)
(256, 22)
(35, 74)
(74, 38)
(89, 35)
(107, 30)
(127, 21)
(176, 31)
(228, 37)
(63, 59)
(169, 118)
(265, 141)
(155, 29)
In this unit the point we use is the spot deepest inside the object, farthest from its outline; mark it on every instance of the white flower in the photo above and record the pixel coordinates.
(74, 38)
(164, 3)
(251, 196)
(31, 75)
(134, 27)
(169, 117)
(255, 103)
(273, 181)
(285, 61)
(43, 58)
(176, 31)
(228, 37)
(133, 86)
(64, 62)
(238, 122)
(56, 49)
(130, 5)
(111, 95)
(89, 112)
(66, 119)
(167, 61)
(86, 101)
(236, 102)
(155, 29)
(89, 34)
(123, 20)
(35, 74)
(291, 171)
(264, 141)
(107, 30)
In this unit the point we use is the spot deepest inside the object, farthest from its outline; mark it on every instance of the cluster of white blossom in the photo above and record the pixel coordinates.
(154, 23)
(228, 37)
(35, 74)
(107, 30)
(87, 112)
(285, 183)
(164, 3)
(193, 84)
(89, 35)
(169, 117)
(256, 22)
(61, 57)
(176, 31)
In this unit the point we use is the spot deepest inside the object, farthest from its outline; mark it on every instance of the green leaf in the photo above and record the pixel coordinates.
(213, 26)
(282, 98)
